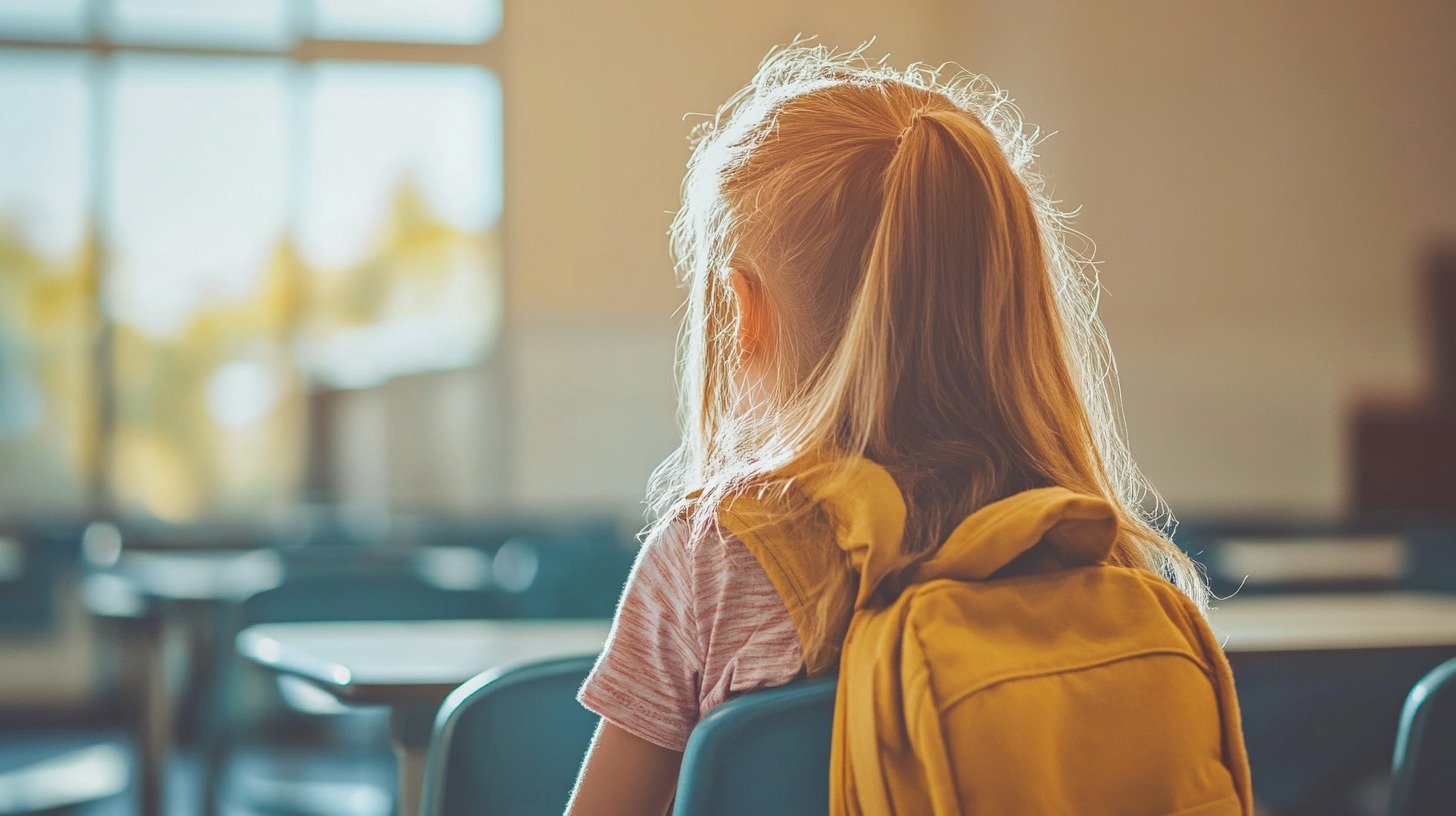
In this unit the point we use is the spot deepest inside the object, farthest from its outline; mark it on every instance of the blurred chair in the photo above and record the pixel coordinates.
(765, 752)
(47, 763)
(545, 567)
(510, 741)
(244, 709)
(1430, 564)
(31, 560)
(1424, 768)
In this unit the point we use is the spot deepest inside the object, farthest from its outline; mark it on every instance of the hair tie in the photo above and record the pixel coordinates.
(914, 120)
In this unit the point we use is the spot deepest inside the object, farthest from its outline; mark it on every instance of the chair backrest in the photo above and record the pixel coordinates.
(510, 741)
(1430, 558)
(34, 554)
(348, 596)
(1424, 783)
(765, 752)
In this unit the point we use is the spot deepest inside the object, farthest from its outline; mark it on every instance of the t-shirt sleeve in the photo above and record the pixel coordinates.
(748, 641)
(647, 679)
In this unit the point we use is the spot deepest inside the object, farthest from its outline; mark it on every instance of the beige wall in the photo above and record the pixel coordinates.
(596, 142)
(1259, 178)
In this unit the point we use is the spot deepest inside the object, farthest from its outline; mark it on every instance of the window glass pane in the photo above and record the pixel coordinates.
(238, 23)
(45, 119)
(43, 19)
(402, 190)
(201, 285)
(442, 21)
(46, 281)
(198, 150)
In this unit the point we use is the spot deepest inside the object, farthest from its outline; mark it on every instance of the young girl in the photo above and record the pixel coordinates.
(874, 272)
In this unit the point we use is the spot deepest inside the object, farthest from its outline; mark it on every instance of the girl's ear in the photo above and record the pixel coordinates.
(752, 319)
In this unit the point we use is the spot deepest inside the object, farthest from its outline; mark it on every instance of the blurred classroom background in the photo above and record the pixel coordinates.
(360, 310)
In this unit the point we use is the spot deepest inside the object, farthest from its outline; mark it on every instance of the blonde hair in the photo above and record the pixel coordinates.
(923, 306)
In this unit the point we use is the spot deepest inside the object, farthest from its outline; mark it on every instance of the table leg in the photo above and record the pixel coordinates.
(154, 721)
(411, 748)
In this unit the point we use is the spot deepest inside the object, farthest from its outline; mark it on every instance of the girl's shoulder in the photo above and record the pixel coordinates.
(699, 622)
(711, 559)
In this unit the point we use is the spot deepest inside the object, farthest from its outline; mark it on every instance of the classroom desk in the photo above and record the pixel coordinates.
(1335, 622)
(410, 666)
(164, 600)
(1321, 681)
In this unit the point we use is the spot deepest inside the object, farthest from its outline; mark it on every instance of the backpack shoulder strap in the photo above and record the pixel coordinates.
(796, 549)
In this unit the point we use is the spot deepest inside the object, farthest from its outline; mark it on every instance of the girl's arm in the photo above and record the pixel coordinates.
(624, 774)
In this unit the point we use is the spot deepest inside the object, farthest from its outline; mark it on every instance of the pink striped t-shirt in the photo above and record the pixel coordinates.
(699, 622)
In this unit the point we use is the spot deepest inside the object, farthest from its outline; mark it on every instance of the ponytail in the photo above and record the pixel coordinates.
(952, 356)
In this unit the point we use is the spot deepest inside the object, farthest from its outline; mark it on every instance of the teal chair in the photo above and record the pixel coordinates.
(510, 742)
(247, 707)
(1424, 770)
(765, 752)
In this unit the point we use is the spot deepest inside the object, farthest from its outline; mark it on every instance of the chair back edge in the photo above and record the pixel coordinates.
(470, 693)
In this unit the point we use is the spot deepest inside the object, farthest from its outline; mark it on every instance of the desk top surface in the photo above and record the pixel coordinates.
(395, 662)
(144, 582)
(399, 662)
(1335, 622)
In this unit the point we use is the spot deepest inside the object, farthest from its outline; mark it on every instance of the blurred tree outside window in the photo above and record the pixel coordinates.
(211, 210)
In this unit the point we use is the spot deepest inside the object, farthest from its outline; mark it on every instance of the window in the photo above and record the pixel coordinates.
(47, 280)
(222, 207)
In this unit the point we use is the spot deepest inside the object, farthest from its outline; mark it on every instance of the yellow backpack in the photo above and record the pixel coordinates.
(1074, 687)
